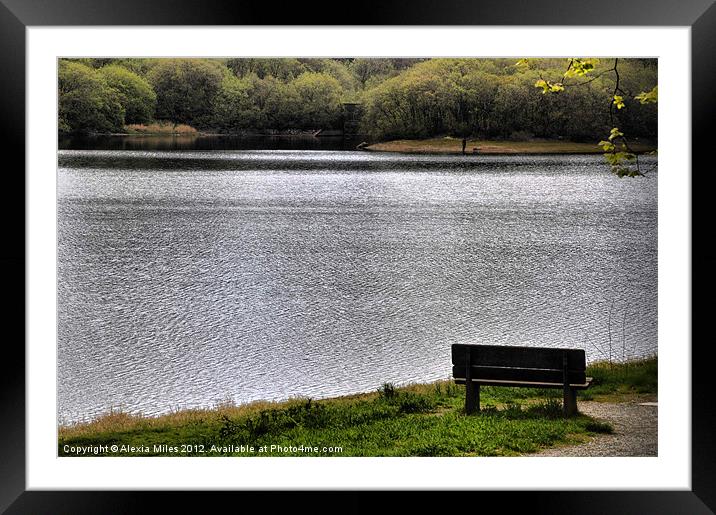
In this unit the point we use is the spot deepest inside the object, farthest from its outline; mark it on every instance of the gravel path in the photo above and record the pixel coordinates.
(635, 430)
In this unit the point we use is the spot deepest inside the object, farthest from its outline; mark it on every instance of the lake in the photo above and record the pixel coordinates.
(188, 278)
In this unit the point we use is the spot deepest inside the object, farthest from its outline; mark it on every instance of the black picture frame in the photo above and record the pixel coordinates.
(17, 15)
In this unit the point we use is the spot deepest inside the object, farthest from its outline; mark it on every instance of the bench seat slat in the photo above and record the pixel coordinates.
(529, 375)
(496, 382)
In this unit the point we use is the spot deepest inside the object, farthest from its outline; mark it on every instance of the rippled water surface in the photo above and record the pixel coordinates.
(190, 278)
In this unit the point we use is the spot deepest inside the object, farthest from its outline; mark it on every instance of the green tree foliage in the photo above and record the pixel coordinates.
(135, 93)
(138, 65)
(402, 98)
(618, 152)
(311, 101)
(497, 98)
(233, 108)
(87, 103)
(284, 69)
(320, 99)
(186, 89)
(277, 103)
(439, 96)
(370, 71)
(336, 68)
(371, 68)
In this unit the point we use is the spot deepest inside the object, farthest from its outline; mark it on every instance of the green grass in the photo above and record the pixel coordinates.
(615, 379)
(416, 420)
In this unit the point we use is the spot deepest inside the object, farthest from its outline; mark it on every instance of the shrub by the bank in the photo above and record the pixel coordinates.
(160, 128)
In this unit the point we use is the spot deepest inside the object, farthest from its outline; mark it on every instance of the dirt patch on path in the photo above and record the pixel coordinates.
(635, 430)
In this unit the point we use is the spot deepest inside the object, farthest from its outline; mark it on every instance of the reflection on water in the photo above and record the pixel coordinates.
(188, 278)
(207, 142)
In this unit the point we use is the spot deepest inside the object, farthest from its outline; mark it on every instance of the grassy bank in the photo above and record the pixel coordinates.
(160, 128)
(454, 146)
(416, 420)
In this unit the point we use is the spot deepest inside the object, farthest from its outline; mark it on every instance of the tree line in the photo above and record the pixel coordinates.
(401, 98)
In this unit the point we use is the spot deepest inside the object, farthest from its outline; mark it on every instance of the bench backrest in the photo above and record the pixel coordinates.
(529, 364)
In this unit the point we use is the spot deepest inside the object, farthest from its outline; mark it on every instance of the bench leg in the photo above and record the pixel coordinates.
(570, 402)
(472, 397)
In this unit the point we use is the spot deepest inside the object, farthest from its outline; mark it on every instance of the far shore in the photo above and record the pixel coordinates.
(438, 145)
(171, 130)
(474, 146)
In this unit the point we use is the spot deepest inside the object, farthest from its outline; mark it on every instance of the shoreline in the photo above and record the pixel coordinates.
(230, 408)
(195, 134)
(434, 146)
(427, 419)
(453, 146)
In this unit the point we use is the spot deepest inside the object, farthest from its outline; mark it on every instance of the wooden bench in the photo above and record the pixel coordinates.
(536, 367)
